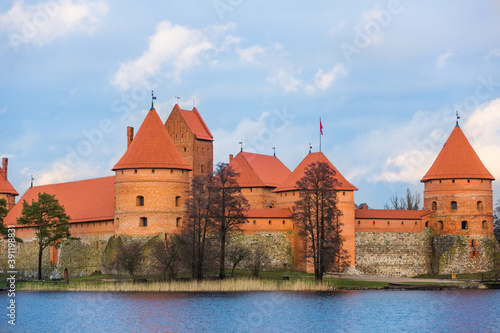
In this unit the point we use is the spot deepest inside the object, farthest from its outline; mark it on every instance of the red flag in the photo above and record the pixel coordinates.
(321, 127)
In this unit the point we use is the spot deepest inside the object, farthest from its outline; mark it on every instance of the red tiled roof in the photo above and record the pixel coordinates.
(195, 123)
(390, 214)
(257, 170)
(6, 187)
(291, 182)
(152, 147)
(269, 212)
(457, 159)
(84, 200)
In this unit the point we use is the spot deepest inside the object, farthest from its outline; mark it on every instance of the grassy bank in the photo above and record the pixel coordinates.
(268, 281)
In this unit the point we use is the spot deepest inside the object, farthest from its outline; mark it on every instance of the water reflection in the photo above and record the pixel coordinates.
(353, 311)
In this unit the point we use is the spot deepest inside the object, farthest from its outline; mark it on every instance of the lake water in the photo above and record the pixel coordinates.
(347, 311)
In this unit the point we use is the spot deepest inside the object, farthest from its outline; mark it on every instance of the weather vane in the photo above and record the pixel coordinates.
(178, 98)
(274, 151)
(241, 145)
(458, 117)
(153, 97)
(310, 148)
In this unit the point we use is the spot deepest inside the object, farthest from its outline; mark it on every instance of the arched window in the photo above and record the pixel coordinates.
(283, 221)
(426, 224)
(479, 205)
(454, 205)
(254, 222)
(177, 201)
(139, 201)
(440, 225)
(474, 254)
(485, 224)
(434, 205)
(178, 222)
(473, 243)
(143, 221)
(202, 168)
(465, 225)
(269, 222)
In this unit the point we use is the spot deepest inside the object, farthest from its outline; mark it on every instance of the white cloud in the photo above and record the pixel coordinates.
(3, 110)
(250, 53)
(493, 53)
(442, 59)
(44, 22)
(288, 81)
(172, 49)
(59, 171)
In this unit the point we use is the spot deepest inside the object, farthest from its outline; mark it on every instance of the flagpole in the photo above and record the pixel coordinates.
(320, 134)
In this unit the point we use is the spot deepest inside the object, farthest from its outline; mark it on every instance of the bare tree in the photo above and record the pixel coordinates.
(411, 201)
(317, 217)
(129, 258)
(236, 252)
(228, 208)
(260, 258)
(166, 257)
(199, 222)
(496, 221)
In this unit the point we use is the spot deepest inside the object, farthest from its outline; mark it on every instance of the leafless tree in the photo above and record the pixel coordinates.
(129, 258)
(166, 257)
(317, 217)
(236, 252)
(496, 221)
(260, 258)
(228, 208)
(411, 201)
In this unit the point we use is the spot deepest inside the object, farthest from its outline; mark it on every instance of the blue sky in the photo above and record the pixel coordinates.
(386, 78)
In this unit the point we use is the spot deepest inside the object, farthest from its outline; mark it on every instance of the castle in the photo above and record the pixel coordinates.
(147, 196)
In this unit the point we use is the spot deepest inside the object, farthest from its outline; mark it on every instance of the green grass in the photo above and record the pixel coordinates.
(473, 276)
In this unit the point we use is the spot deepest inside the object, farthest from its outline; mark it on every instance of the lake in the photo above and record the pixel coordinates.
(346, 311)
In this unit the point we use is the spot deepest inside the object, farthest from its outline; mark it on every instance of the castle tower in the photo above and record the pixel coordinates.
(151, 182)
(7, 191)
(458, 189)
(192, 138)
(288, 193)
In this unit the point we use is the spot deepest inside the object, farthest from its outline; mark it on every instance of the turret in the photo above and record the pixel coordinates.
(151, 183)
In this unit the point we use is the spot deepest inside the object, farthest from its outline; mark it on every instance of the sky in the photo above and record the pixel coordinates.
(385, 77)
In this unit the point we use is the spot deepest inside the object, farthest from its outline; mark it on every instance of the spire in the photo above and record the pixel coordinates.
(153, 97)
(457, 159)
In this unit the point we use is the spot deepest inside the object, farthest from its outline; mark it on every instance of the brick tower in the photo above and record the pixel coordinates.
(192, 138)
(7, 191)
(151, 182)
(458, 191)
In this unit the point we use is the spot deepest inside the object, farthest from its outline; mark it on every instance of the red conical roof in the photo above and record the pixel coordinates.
(257, 170)
(152, 147)
(291, 182)
(6, 187)
(457, 159)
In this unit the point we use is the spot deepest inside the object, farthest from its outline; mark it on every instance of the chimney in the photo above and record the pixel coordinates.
(130, 135)
(230, 157)
(5, 163)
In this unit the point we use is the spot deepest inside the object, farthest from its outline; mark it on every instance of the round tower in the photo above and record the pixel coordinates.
(151, 182)
(458, 191)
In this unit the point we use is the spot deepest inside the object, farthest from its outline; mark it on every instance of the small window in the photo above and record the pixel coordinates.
(359, 222)
(184, 149)
(473, 243)
(283, 221)
(171, 170)
(135, 171)
(373, 222)
(415, 222)
(465, 225)
(426, 224)
(139, 201)
(152, 170)
(202, 168)
(440, 225)
(468, 180)
(178, 222)
(143, 221)
(269, 221)
(97, 244)
(453, 205)
(388, 222)
(485, 225)
(434, 205)
(453, 180)
(177, 201)
(343, 193)
(402, 223)
(254, 222)
(474, 254)
(479, 205)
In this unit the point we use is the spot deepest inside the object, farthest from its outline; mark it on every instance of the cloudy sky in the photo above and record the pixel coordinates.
(385, 77)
